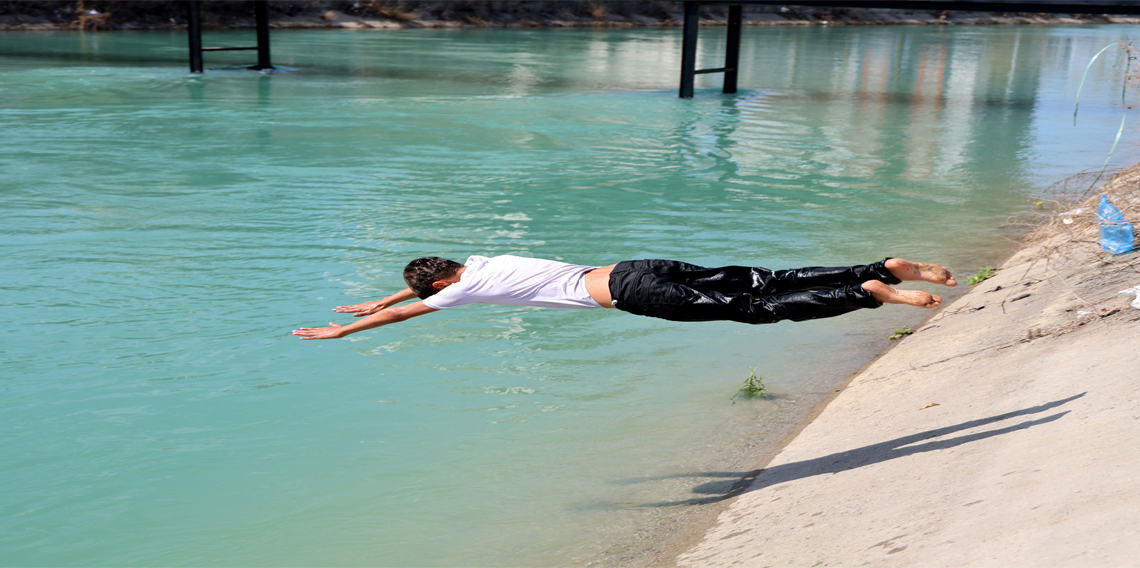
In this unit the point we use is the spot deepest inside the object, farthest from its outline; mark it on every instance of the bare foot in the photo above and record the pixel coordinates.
(888, 295)
(921, 271)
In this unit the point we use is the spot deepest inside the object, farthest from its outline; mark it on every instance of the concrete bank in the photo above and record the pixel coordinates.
(1005, 431)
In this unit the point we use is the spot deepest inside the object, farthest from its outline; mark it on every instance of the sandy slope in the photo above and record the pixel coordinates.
(1030, 458)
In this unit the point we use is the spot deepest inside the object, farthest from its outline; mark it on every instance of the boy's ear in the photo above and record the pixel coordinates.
(440, 284)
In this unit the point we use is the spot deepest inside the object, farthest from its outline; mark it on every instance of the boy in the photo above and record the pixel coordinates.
(665, 289)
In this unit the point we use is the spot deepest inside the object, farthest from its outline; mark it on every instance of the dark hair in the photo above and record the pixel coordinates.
(422, 272)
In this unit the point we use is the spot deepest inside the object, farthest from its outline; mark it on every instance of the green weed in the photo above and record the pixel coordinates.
(982, 275)
(901, 333)
(754, 385)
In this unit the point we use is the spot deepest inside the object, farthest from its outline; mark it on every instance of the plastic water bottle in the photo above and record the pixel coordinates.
(1115, 232)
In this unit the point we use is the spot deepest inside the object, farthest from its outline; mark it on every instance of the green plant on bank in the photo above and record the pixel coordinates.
(754, 385)
(982, 275)
(901, 333)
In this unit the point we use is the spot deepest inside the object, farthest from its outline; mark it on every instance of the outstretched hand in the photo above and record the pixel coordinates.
(382, 312)
(365, 309)
(333, 332)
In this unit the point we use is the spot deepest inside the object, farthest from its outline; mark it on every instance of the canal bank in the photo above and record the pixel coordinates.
(1003, 430)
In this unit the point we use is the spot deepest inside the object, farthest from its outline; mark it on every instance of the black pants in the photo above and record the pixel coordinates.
(678, 291)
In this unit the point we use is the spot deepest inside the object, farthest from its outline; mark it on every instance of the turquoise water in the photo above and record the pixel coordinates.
(164, 232)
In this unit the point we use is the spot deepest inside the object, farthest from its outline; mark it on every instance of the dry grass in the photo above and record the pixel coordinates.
(1063, 230)
(395, 11)
(90, 18)
(1066, 215)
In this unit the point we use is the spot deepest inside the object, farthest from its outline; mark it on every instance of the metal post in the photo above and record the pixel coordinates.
(261, 9)
(194, 30)
(732, 49)
(689, 48)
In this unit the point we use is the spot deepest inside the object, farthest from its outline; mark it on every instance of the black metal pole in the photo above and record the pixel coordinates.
(732, 50)
(689, 48)
(194, 30)
(261, 8)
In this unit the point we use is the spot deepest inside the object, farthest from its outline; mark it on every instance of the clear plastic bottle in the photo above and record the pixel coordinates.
(1115, 232)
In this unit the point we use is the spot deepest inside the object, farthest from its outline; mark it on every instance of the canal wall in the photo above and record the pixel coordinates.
(380, 14)
(1001, 432)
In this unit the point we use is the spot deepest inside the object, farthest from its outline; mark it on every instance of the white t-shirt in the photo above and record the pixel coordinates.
(517, 281)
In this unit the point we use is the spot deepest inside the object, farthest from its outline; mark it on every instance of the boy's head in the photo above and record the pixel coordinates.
(422, 273)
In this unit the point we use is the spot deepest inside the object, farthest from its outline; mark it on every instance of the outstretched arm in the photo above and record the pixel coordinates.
(383, 317)
(372, 307)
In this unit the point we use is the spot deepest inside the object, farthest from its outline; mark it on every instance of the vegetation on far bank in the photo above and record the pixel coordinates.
(224, 14)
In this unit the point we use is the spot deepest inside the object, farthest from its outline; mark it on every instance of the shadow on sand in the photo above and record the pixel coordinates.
(858, 457)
